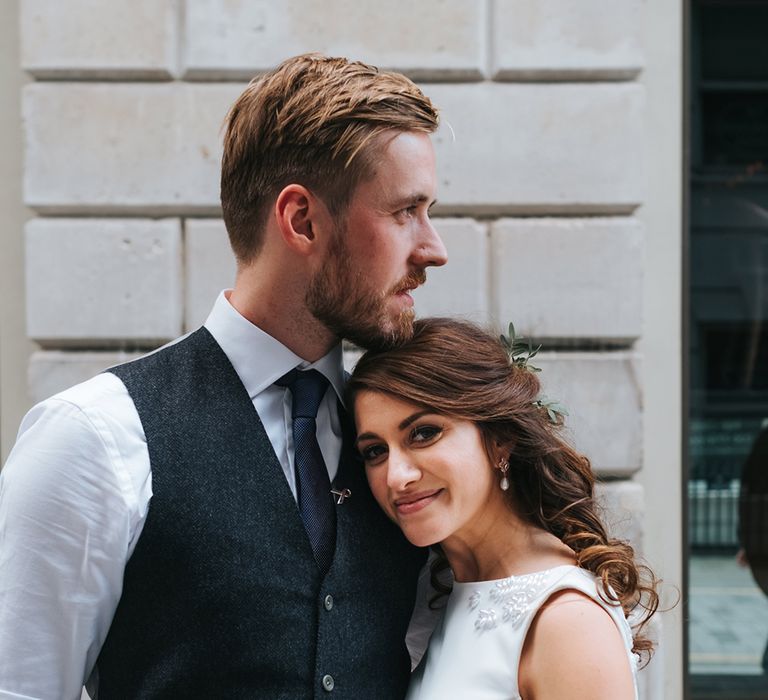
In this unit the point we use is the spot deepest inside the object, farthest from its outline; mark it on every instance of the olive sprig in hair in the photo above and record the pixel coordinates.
(520, 351)
(553, 407)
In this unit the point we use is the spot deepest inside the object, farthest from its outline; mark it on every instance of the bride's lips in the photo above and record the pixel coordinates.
(415, 502)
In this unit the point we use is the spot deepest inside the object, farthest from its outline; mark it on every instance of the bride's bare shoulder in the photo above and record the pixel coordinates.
(574, 649)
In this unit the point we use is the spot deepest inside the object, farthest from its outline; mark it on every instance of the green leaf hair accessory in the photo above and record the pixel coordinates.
(520, 350)
(553, 408)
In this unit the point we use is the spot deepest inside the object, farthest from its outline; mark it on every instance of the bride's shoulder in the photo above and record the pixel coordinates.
(575, 649)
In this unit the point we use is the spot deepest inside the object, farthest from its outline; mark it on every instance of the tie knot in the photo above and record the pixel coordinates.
(308, 388)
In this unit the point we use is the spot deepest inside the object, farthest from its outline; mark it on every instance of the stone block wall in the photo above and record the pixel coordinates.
(540, 170)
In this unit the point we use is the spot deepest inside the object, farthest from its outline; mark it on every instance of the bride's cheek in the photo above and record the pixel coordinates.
(377, 487)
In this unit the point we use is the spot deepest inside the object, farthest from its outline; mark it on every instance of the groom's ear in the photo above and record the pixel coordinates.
(302, 219)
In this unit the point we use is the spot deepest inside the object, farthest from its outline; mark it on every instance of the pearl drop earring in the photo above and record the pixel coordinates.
(503, 468)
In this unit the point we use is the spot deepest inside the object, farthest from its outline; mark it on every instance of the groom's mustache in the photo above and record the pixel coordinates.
(409, 282)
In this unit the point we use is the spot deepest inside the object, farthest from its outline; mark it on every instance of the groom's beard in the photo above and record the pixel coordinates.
(340, 298)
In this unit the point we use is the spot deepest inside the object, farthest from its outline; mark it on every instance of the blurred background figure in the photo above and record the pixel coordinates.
(753, 516)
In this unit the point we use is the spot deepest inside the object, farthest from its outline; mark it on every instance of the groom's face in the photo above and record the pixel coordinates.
(382, 247)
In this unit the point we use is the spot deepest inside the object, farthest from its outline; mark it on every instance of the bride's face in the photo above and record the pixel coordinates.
(429, 472)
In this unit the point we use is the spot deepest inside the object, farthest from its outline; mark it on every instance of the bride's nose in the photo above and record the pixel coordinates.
(402, 471)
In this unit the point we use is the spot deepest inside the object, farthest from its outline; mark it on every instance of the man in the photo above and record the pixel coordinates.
(190, 524)
(753, 517)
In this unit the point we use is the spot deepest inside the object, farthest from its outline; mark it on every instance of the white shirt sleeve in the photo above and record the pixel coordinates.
(425, 616)
(69, 518)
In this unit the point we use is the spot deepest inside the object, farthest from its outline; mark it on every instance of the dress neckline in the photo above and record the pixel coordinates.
(531, 574)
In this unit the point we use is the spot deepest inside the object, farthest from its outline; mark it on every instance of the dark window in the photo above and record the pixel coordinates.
(735, 127)
(736, 356)
(733, 40)
(728, 361)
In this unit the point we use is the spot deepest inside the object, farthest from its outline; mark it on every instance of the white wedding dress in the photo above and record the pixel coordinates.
(474, 652)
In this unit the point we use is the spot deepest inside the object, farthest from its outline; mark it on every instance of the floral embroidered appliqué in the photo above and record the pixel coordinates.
(486, 620)
(509, 599)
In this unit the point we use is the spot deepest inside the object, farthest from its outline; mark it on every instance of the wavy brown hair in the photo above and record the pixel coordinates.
(455, 368)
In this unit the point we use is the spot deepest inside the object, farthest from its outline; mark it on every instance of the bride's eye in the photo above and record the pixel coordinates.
(425, 433)
(373, 453)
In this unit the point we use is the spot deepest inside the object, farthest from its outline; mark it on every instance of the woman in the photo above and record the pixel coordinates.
(464, 455)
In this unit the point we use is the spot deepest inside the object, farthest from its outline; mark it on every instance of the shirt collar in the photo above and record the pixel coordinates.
(258, 358)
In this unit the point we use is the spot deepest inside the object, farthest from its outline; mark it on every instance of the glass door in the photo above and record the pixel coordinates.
(728, 449)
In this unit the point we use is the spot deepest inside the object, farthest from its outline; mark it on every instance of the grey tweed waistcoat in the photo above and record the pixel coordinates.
(222, 597)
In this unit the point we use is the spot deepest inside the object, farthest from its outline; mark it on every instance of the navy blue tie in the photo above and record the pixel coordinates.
(313, 486)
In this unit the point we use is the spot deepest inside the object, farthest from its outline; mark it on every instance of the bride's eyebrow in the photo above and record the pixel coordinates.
(366, 436)
(412, 418)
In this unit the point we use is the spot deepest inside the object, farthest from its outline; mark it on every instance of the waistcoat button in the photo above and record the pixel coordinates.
(328, 602)
(328, 683)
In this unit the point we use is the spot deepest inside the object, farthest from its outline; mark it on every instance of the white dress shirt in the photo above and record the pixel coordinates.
(74, 496)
